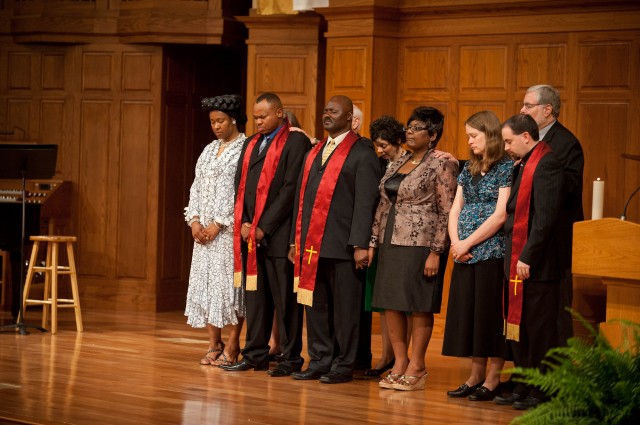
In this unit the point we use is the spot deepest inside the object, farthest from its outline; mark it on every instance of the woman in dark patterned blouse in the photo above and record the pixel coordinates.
(474, 314)
(410, 232)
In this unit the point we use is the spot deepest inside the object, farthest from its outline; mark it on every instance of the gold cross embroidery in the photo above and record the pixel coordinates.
(249, 245)
(515, 282)
(311, 252)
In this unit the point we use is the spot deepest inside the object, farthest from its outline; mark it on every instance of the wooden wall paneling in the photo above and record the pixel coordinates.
(536, 62)
(98, 68)
(349, 67)
(605, 65)
(96, 123)
(610, 98)
(604, 139)
(349, 72)
(53, 122)
(53, 71)
(284, 53)
(20, 116)
(134, 184)
(485, 69)
(175, 244)
(21, 70)
(384, 94)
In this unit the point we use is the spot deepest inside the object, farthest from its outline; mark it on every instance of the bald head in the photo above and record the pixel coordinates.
(337, 115)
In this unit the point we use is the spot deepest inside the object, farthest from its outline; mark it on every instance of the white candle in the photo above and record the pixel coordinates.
(597, 205)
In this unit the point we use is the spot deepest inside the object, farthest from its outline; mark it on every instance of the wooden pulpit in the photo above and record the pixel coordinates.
(609, 249)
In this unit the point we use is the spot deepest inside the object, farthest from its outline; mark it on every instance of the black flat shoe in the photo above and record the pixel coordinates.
(464, 390)
(484, 394)
(527, 403)
(307, 375)
(242, 366)
(282, 370)
(335, 378)
(375, 373)
(508, 400)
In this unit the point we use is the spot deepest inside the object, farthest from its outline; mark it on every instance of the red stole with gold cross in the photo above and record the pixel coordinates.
(519, 239)
(306, 261)
(271, 160)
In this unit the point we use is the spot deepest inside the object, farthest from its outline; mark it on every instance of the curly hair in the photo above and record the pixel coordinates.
(389, 129)
(230, 104)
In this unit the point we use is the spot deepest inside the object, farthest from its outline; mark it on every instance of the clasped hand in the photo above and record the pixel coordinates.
(204, 235)
(460, 251)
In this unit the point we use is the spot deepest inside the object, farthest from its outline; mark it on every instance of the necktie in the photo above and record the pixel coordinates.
(327, 150)
(263, 144)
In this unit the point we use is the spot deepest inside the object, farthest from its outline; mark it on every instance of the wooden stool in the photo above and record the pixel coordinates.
(51, 270)
(4, 277)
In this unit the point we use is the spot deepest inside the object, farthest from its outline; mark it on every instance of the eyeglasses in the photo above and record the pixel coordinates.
(531, 105)
(414, 128)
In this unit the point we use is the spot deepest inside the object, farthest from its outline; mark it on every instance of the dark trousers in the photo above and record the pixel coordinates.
(274, 293)
(363, 356)
(538, 326)
(565, 299)
(334, 317)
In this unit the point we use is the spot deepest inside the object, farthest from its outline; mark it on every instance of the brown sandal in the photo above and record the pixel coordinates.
(208, 360)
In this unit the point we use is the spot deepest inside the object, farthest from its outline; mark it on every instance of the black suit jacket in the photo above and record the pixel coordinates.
(542, 249)
(276, 217)
(568, 150)
(353, 204)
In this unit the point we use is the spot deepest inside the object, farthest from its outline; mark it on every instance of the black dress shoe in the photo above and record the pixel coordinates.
(307, 375)
(527, 403)
(335, 378)
(243, 365)
(464, 390)
(508, 400)
(282, 370)
(484, 394)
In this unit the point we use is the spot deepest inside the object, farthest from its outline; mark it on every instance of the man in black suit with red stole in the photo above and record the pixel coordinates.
(542, 103)
(266, 181)
(532, 264)
(333, 214)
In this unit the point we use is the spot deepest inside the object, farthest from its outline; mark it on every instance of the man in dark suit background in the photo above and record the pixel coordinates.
(333, 305)
(542, 103)
(274, 272)
(532, 263)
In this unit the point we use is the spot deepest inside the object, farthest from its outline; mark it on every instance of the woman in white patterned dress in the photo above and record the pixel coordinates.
(212, 301)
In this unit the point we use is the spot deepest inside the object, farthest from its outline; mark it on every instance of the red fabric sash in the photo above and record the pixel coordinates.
(518, 241)
(306, 265)
(269, 168)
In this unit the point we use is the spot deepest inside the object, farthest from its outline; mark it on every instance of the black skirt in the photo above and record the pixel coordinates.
(400, 282)
(474, 325)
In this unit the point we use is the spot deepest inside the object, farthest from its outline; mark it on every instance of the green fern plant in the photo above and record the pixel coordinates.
(589, 383)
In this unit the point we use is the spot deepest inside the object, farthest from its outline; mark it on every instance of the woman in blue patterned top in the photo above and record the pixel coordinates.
(474, 315)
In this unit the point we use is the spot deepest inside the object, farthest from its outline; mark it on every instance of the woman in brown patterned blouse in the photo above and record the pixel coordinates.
(410, 231)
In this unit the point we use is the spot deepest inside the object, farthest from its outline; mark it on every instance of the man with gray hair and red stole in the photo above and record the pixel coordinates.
(542, 103)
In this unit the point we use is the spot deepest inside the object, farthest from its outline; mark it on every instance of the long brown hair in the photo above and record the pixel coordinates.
(488, 123)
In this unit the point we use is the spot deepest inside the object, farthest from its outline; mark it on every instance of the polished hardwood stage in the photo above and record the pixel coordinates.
(144, 369)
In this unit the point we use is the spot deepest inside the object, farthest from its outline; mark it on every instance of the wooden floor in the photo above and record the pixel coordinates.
(143, 369)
